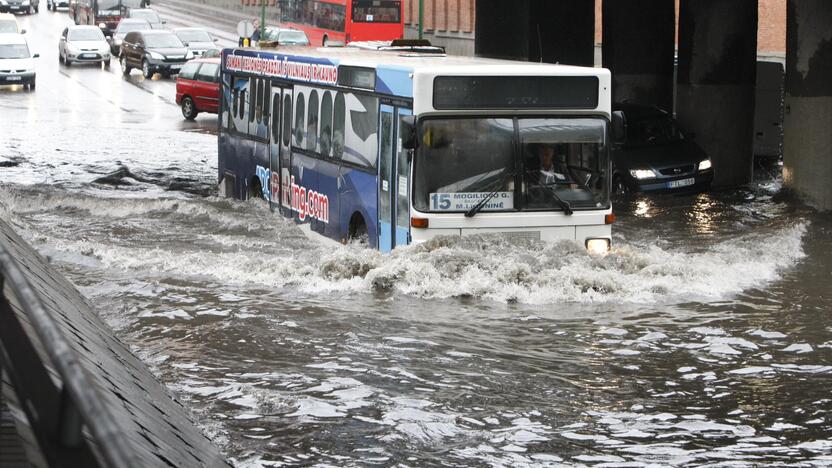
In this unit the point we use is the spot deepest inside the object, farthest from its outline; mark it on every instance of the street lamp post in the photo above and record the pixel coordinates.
(421, 17)
(262, 18)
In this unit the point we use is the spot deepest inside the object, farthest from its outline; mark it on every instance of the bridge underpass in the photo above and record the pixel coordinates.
(715, 78)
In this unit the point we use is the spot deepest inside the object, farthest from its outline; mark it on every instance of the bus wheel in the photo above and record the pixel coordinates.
(326, 39)
(358, 230)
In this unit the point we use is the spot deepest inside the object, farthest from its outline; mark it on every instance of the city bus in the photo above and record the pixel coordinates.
(392, 146)
(343, 21)
(105, 14)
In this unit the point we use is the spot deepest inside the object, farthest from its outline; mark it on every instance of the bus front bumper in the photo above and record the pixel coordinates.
(580, 227)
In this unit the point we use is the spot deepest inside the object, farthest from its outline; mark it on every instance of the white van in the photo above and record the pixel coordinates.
(16, 61)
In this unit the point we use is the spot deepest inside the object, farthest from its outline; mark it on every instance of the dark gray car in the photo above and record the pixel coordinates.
(656, 155)
(152, 52)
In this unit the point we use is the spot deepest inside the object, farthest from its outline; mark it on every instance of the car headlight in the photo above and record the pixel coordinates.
(189, 55)
(704, 165)
(25, 3)
(156, 55)
(643, 173)
(598, 246)
(3, 2)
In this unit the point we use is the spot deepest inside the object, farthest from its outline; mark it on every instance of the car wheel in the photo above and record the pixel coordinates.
(125, 69)
(106, 63)
(146, 71)
(32, 85)
(188, 108)
(31, 10)
(68, 62)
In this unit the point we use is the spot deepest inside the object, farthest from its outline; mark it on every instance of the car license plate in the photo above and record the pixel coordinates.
(13, 78)
(88, 55)
(681, 183)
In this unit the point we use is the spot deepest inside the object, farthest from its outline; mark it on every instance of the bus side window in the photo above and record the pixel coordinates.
(267, 91)
(252, 99)
(242, 112)
(258, 101)
(287, 119)
(326, 124)
(235, 93)
(312, 122)
(339, 120)
(297, 128)
(275, 119)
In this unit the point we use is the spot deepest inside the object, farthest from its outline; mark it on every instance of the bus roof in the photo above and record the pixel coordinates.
(417, 62)
(399, 73)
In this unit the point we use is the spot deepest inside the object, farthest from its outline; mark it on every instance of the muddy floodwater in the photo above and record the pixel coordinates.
(703, 338)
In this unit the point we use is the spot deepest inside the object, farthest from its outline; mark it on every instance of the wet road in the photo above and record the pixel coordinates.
(702, 339)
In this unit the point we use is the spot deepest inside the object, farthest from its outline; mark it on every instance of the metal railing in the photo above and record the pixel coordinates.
(57, 412)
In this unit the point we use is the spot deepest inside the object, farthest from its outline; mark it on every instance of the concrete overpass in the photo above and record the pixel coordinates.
(715, 81)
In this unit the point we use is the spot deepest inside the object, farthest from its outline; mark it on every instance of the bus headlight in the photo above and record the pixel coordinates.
(598, 246)
(642, 173)
(102, 25)
(704, 165)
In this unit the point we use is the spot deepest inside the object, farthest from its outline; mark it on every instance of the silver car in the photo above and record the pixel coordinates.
(125, 26)
(83, 44)
(197, 40)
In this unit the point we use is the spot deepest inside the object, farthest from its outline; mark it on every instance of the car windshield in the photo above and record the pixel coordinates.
(292, 37)
(162, 41)
(14, 51)
(7, 26)
(125, 27)
(652, 130)
(194, 36)
(85, 35)
(459, 162)
(149, 16)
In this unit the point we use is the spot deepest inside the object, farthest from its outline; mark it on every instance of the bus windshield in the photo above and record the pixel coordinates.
(526, 164)
(108, 7)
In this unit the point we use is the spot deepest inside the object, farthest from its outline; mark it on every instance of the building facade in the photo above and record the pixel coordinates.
(450, 23)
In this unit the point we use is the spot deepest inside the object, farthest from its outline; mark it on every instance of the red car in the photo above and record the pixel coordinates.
(198, 87)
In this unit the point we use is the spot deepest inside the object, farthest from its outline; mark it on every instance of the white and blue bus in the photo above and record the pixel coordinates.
(396, 145)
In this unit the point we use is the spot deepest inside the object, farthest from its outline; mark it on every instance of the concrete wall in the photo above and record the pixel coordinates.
(807, 146)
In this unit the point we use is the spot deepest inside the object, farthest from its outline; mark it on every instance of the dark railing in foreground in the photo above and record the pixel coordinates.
(57, 411)
(87, 400)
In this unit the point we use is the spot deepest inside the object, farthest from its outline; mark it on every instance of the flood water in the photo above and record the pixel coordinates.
(702, 339)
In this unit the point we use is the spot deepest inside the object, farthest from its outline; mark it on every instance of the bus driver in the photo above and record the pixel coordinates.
(548, 174)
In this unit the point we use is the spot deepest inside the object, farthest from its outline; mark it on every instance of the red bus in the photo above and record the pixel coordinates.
(344, 20)
(103, 13)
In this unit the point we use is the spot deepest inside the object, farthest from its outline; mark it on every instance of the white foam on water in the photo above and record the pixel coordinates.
(799, 348)
(315, 408)
(263, 249)
(769, 335)
(175, 314)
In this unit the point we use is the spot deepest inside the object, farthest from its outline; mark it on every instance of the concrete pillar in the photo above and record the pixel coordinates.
(807, 145)
(716, 79)
(638, 47)
(536, 30)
